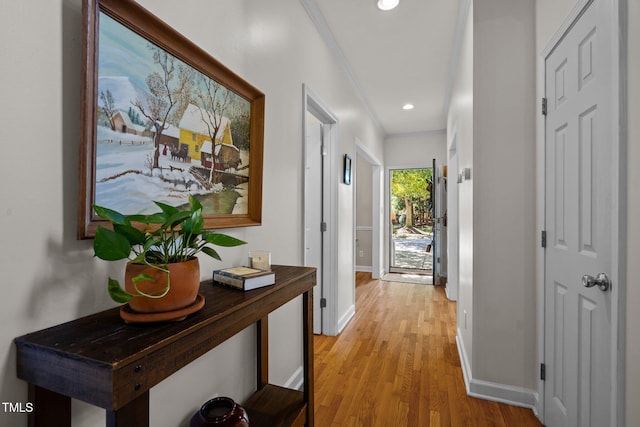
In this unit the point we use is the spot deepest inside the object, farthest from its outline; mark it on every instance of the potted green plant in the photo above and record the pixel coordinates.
(163, 272)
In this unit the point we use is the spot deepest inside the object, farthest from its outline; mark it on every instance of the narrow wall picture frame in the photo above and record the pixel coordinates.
(347, 169)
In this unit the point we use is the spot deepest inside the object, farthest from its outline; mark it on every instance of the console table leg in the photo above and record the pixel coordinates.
(263, 352)
(308, 354)
(133, 414)
(49, 408)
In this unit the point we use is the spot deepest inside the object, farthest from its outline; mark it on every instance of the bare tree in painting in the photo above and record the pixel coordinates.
(108, 107)
(240, 124)
(168, 91)
(213, 100)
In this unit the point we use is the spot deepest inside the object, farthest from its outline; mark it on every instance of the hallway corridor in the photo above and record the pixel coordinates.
(396, 364)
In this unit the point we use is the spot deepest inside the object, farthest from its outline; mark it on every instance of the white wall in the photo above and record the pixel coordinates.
(503, 177)
(460, 123)
(274, 46)
(550, 14)
(493, 119)
(415, 150)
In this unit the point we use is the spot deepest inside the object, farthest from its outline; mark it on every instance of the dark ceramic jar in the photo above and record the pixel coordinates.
(220, 412)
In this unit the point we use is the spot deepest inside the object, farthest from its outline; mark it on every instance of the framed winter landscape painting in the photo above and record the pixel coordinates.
(162, 119)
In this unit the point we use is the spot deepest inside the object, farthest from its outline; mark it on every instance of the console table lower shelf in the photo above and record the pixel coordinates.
(275, 406)
(103, 361)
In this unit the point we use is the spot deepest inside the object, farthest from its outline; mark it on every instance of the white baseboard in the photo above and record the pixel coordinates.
(380, 274)
(495, 392)
(450, 293)
(536, 409)
(296, 381)
(346, 318)
(464, 361)
(510, 395)
(364, 268)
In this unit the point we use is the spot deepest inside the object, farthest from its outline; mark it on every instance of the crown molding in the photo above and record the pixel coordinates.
(463, 12)
(316, 16)
(418, 133)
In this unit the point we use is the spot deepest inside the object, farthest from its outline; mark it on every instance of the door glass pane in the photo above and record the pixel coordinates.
(411, 220)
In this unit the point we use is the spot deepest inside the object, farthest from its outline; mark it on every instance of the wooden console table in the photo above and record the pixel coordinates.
(103, 361)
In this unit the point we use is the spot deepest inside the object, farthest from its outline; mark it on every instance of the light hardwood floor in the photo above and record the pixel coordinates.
(396, 364)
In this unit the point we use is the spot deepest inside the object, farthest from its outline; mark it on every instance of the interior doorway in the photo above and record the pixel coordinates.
(368, 211)
(411, 222)
(320, 214)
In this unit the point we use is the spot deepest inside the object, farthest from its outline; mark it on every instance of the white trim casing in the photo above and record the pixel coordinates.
(540, 226)
(313, 105)
(453, 209)
(619, 49)
(346, 318)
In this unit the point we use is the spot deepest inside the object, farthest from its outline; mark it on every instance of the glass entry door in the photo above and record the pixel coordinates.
(411, 225)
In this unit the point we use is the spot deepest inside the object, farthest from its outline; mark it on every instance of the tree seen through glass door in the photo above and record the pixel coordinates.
(411, 219)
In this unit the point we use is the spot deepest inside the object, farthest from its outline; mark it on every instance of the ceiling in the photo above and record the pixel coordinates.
(392, 58)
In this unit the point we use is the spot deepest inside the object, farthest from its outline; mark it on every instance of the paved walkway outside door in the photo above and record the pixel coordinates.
(410, 252)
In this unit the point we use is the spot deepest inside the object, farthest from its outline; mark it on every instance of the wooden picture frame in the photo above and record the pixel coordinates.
(347, 169)
(162, 119)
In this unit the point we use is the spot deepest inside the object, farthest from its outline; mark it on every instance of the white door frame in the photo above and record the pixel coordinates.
(329, 288)
(377, 255)
(617, 9)
(387, 216)
(453, 254)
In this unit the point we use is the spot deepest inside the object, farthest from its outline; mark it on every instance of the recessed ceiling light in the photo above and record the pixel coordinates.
(387, 4)
(408, 107)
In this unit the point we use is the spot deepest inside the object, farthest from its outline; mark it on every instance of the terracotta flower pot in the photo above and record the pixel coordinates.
(184, 286)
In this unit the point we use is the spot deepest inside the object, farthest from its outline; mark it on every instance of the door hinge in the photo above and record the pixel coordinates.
(323, 226)
(543, 238)
(544, 106)
(543, 372)
(323, 302)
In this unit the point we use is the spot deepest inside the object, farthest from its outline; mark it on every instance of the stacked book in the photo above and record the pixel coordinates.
(244, 278)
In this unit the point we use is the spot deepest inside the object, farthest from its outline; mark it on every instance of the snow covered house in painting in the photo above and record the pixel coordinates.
(170, 137)
(227, 156)
(124, 124)
(195, 136)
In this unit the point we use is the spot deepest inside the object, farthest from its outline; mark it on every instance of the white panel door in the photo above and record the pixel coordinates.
(578, 220)
(313, 217)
